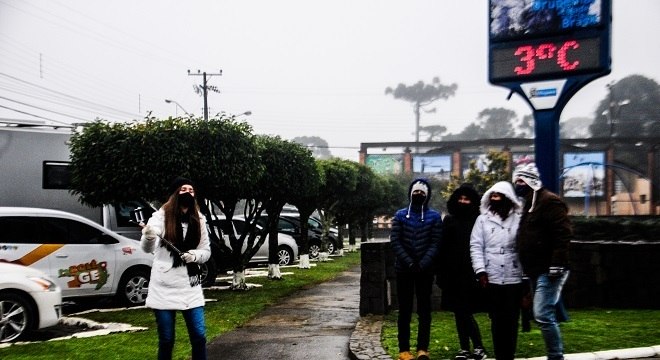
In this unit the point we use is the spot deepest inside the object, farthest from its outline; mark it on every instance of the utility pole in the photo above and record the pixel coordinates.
(205, 88)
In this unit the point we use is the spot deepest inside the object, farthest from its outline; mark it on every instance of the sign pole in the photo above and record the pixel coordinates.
(546, 147)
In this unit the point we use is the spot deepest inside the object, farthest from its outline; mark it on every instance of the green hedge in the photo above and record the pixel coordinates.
(617, 228)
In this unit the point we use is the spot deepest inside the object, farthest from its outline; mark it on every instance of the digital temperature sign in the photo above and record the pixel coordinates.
(539, 40)
(545, 59)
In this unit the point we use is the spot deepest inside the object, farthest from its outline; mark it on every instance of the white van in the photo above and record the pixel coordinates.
(34, 172)
(83, 257)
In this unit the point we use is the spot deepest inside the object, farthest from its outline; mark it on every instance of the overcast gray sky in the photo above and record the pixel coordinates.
(302, 67)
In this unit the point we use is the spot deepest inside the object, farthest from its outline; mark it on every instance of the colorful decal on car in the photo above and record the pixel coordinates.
(92, 272)
(37, 254)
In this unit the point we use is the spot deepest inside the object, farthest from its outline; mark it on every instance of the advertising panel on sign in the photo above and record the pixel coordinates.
(436, 166)
(385, 164)
(584, 174)
(516, 19)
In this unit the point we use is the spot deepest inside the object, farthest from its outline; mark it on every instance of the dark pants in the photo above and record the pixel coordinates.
(504, 313)
(410, 286)
(467, 329)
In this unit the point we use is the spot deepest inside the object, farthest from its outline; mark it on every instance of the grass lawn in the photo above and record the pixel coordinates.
(232, 309)
(588, 330)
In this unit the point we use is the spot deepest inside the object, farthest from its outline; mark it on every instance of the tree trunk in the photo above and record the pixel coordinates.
(304, 261)
(274, 272)
(238, 281)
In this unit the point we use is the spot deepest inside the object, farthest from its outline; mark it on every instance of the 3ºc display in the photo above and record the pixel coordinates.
(539, 59)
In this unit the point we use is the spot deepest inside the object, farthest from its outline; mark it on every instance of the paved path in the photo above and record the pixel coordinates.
(314, 323)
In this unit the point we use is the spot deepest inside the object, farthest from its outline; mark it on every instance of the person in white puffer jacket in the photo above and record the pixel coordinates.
(177, 236)
(496, 265)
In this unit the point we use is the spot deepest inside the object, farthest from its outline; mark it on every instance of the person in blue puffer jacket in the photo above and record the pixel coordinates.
(415, 239)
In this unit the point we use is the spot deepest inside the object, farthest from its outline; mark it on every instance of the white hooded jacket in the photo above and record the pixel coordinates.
(493, 240)
(169, 287)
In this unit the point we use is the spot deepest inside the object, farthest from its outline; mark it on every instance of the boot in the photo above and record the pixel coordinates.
(423, 355)
(406, 355)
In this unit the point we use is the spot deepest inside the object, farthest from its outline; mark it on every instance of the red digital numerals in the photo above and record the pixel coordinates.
(529, 55)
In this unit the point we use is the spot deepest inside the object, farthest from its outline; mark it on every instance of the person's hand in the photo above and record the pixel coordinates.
(188, 257)
(556, 271)
(149, 233)
(483, 279)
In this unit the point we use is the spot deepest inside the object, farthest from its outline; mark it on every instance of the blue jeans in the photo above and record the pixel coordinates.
(196, 332)
(547, 292)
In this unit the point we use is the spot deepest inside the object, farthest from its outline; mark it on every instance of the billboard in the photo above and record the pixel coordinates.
(432, 166)
(584, 174)
(385, 164)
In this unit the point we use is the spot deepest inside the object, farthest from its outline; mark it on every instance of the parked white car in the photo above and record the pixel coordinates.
(287, 249)
(84, 258)
(29, 300)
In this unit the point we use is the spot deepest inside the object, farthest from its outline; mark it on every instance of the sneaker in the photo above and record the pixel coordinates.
(479, 353)
(423, 355)
(406, 355)
(463, 355)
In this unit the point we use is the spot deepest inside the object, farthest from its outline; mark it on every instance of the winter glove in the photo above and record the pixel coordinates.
(149, 233)
(556, 271)
(188, 257)
(483, 279)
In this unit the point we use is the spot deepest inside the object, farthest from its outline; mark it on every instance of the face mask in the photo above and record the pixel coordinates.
(418, 199)
(186, 200)
(522, 190)
(463, 209)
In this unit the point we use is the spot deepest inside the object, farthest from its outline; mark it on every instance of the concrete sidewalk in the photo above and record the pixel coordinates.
(314, 323)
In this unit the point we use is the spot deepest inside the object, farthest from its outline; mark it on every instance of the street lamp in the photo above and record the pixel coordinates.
(178, 106)
(246, 113)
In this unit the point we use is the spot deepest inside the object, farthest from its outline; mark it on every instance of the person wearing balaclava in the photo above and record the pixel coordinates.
(415, 239)
(460, 292)
(177, 236)
(496, 265)
(543, 242)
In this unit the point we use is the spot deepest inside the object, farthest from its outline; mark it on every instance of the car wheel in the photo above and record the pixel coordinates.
(314, 249)
(209, 273)
(16, 316)
(331, 246)
(133, 287)
(285, 255)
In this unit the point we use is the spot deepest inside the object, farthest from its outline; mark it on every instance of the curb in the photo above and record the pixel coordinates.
(365, 344)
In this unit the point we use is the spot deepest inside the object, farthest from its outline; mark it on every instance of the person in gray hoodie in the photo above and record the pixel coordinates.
(496, 265)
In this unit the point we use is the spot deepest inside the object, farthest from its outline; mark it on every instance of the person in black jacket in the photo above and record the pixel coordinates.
(543, 244)
(415, 239)
(460, 289)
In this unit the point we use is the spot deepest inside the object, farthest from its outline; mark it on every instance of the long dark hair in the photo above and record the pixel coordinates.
(173, 218)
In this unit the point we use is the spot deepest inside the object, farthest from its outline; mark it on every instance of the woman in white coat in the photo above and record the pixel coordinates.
(496, 265)
(177, 236)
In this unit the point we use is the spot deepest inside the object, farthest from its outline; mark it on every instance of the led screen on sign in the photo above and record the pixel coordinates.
(542, 59)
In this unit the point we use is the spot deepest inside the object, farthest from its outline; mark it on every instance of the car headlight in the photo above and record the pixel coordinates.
(44, 283)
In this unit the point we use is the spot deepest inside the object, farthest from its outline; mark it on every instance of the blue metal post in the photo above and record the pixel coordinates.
(546, 146)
